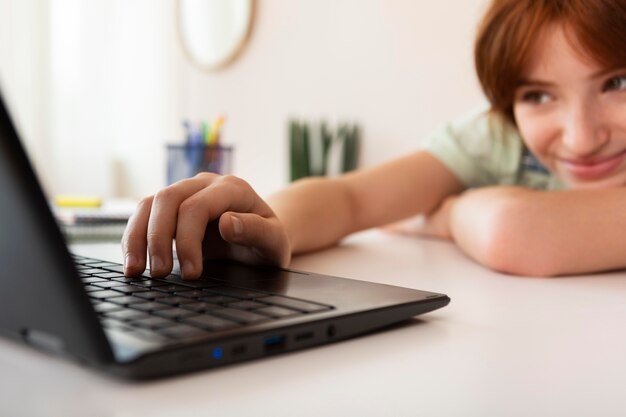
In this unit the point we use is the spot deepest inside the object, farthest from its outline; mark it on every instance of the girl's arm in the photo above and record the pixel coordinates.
(317, 212)
(541, 233)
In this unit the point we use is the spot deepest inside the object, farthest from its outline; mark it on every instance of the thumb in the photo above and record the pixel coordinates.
(265, 236)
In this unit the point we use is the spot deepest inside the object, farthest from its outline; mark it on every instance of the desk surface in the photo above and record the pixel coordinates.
(504, 346)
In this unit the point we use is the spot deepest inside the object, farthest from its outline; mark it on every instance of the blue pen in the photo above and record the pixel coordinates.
(187, 127)
(188, 148)
(197, 146)
(193, 149)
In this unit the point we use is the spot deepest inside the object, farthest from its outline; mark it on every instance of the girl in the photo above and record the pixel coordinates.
(534, 186)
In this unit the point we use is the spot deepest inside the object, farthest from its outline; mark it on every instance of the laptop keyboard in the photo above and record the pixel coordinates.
(171, 309)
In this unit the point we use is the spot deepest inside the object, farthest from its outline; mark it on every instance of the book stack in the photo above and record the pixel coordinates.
(104, 223)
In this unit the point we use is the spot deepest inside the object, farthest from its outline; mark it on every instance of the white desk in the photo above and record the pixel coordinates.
(505, 346)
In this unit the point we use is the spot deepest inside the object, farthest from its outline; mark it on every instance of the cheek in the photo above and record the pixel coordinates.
(616, 113)
(538, 132)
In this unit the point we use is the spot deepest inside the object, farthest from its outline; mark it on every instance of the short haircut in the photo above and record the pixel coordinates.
(510, 29)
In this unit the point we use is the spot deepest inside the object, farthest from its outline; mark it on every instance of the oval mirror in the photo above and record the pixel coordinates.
(213, 32)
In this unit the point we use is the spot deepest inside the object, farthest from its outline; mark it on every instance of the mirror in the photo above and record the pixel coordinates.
(214, 32)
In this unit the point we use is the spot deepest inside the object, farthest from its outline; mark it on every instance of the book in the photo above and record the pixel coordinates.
(104, 223)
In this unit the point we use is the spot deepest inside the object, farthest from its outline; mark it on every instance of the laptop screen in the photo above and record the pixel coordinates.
(41, 298)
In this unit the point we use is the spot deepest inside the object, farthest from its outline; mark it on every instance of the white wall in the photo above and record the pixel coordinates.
(113, 94)
(119, 84)
(23, 72)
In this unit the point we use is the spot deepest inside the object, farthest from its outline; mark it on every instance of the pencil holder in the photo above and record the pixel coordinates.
(185, 161)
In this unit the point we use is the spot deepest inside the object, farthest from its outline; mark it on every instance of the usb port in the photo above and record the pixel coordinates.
(274, 343)
(303, 336)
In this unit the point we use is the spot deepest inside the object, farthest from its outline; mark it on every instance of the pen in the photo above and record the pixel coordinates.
(214, 132)
(206, 132)
(194, 147)
(217, 133)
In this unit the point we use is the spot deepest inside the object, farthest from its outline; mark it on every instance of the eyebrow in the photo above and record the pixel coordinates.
(605, 72)
(524, 82)
(530, 81)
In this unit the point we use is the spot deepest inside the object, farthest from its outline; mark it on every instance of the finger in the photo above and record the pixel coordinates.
(265, 235)
(195, 213)
(134, 241)
(163, 220)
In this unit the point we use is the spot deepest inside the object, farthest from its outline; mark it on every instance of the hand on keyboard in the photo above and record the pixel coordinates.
(211, 217)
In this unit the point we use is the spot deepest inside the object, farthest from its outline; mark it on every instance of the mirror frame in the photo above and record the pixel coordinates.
(229, 59)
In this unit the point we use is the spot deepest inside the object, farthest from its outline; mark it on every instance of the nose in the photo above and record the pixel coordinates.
(585, 132)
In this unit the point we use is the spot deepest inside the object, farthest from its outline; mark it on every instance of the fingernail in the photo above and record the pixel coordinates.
(237, 225)
(130, 261)
(187, 269)
(156, 263)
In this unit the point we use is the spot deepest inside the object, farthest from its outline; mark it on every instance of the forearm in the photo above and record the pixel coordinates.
(316, 213)
(526, 232)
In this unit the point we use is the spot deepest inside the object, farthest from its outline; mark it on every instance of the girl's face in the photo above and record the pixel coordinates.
(571, 113)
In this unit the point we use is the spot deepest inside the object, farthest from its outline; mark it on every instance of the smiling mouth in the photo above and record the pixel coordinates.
(590, 169)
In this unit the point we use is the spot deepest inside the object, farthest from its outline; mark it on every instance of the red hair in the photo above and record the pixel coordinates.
(510, 29)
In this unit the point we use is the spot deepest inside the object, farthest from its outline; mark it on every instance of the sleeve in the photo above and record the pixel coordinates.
(479, 149)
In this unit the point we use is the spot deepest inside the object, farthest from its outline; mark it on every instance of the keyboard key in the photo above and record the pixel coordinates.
(129, 289)
(129, 280)
(200, 307)
(107, 275)
(210, 322)
(79, 267)
(90, 288)
(175, 300)
(105, 294)
(108, 284)
(218, 299)
(174, 313)
(171, 288)
(149, 306)
(143, 282)
(153, 322)
(151, 295)
(127, 300)
(126, 314)
(278, 312)
(295, 304)
(185, 292)
(116, 268)
(106, 307)
(247, 305)
(241, 316)
(91, 280)
(91, 271)
(100, 264)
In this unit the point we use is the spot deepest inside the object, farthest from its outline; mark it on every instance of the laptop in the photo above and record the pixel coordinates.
(85, 309)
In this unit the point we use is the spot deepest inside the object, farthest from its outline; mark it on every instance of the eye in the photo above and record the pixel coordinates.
(616, 83)
(535, 97)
